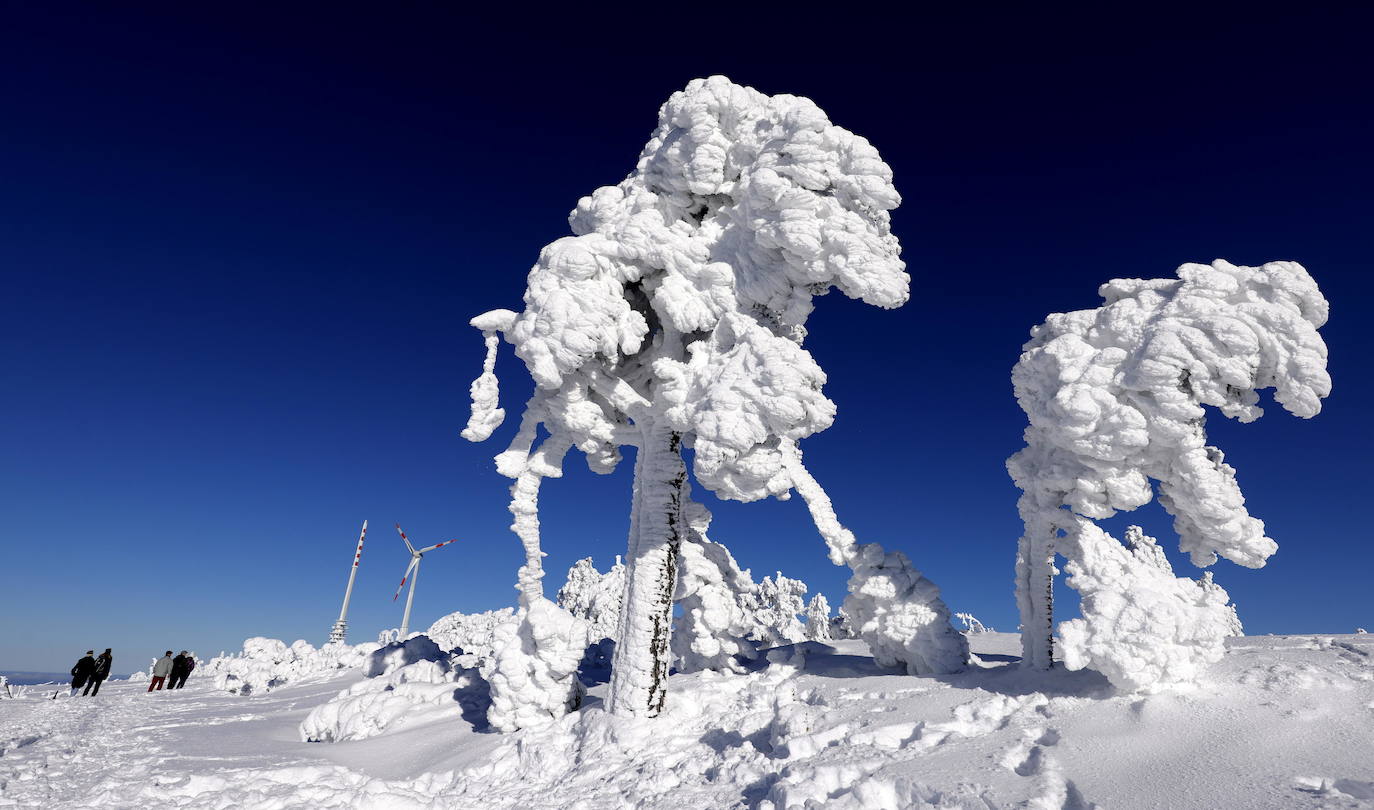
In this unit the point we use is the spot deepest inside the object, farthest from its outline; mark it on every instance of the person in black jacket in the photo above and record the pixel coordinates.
(103, 662)
(181, 667)
(82, 671)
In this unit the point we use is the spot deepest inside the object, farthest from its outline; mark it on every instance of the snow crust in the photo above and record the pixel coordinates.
(268, 663)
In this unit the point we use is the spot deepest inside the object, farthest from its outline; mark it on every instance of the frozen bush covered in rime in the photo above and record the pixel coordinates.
(1115, 398)
(972, 625)
(773, 607)
(423, 689)
(1142, 627)
(594, 597)
(674, 318)
(268, 663)
(533, 676)
(818, 618)
(474, 633)
(713, 630)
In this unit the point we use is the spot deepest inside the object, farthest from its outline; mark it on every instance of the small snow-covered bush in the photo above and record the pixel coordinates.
(401, 653)
(713, 630)
(533, 676)
(1142, 627)
(475, 633)
(971, 624)
(425, 689)
(268, 663)
(594, 597)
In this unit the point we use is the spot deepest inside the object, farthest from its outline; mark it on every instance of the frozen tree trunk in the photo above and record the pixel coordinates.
(639, 670)
(1035, 597)
(1035, 587)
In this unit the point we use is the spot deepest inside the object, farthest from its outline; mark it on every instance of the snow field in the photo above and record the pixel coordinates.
(1279, 723)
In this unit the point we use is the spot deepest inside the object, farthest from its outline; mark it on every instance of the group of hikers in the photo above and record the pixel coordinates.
(92, 670)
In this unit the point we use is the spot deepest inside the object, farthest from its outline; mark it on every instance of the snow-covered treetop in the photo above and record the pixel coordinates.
(1115, 396)
(684, 293)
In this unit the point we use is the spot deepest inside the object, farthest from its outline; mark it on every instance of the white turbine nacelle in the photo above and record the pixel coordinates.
(412, 573)
(336, 635)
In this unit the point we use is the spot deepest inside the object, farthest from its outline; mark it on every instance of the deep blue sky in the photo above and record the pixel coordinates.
(240, 246)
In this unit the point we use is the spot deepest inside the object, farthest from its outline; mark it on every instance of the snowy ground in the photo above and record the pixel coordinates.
(1287, 722)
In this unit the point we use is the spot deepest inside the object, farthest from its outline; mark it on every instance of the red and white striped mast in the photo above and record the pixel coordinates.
(336, 636)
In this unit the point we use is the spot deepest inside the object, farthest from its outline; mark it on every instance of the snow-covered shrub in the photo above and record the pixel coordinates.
(773, 606)
(474, 633)
(268, 663)
(1142, 627)
(594, 597)
(674, 319)
(713, 629)
(1115, 398)
(818, 618)
(401, 653)
(425, 689)
(533, 676)
(971, 624)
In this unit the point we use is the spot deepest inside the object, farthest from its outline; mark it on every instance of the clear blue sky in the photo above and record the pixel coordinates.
(240, 246)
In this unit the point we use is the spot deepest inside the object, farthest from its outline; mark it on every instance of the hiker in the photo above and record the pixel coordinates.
(82, 671)
(160, 671)
(103, 662)
(181, 667)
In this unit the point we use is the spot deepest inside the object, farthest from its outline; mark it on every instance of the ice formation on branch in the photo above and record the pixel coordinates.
(1115, 399)
(674, 319)
(1142, 627)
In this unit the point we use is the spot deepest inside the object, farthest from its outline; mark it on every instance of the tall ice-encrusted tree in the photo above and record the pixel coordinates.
(674, 318)
(1115, 397)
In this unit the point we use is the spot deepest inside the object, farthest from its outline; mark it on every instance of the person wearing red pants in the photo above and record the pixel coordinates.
(161, 669)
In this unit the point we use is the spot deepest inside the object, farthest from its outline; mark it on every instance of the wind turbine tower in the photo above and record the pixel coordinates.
(336, 635)
(412, 573)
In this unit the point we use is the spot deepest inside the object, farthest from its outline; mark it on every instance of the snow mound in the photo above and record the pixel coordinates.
(268, 663)
(401, 653)
(423, 690)
(1142, 627)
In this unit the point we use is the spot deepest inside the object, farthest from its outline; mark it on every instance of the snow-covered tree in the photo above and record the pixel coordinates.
(1115, 397)
(1142, 627)
(594, 597)
(674, 318)
(773, 607)
(818, 618)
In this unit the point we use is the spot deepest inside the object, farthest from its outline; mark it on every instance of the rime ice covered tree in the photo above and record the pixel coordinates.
(674, 319)
(1115, 398)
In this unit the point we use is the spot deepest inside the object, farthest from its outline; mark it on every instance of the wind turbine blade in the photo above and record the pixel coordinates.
(436, 545)
(404, 538)
(414, 561)
(358, 555)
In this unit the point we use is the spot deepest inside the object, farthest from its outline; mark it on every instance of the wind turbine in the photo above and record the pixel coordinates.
(412, 573)
(336, 635)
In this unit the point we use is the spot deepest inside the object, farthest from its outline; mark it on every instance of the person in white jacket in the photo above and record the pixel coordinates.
(160, 671)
